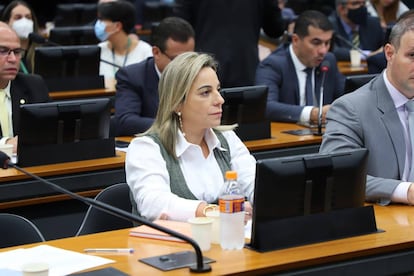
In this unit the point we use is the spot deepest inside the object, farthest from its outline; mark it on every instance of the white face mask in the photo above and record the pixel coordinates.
(23, 27)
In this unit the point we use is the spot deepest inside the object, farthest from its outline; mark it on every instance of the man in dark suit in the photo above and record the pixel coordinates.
(15, 88)
(283, 72)
(230, 30)
(354, 26)
(136, 101)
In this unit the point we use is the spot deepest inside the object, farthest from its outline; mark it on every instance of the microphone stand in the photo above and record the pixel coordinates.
(319, 132)
(200, 266)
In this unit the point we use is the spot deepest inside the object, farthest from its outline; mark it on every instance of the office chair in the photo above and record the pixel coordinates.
(17, 230)
(96, 220)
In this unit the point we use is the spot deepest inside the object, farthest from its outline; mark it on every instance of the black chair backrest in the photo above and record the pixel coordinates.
(96, 220)
(354, 82)
(73, 35)
(17, 230)
(75, 14)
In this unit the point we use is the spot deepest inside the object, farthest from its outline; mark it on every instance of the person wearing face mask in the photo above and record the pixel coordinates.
(354, 26)
(115, 20)
(21, 18)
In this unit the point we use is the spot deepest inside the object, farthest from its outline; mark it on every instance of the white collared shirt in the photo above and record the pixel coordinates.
(299, 67)
(400, 193)
(149, 181)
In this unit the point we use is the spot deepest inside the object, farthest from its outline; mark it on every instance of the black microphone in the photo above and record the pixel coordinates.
(347, 42)
(37, 38)
(199, 267)
(323, 68)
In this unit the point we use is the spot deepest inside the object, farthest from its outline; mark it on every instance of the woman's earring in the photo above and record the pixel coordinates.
(180, 121)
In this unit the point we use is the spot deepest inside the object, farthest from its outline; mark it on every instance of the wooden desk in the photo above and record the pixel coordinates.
(108, 91)
(346, 69)
(280, 143)
(383, 253)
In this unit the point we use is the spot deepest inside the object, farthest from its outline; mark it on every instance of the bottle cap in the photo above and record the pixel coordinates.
(231, 175)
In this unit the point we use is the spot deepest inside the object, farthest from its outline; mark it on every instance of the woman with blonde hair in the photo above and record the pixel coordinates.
(176, 168)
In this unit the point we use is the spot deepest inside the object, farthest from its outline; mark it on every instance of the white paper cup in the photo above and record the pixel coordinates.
(35, 269)
(201, 231)
(355, 58)
(215, 231)
(7, 149)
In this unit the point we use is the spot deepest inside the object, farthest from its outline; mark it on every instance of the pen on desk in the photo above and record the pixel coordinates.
(109, 250)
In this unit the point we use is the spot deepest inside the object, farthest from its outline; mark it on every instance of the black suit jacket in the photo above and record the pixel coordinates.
(230, 30)
(371, 36)
(136, 98)
(26, 89)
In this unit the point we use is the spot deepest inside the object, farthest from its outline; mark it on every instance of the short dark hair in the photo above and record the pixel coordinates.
(404, 24)
(118, 11)
(175, 28)
(312, 18)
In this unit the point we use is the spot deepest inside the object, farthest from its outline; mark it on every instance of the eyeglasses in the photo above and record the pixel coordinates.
(5, 52)
(167, 55)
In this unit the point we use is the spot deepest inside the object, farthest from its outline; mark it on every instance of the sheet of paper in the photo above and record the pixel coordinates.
(60, 261)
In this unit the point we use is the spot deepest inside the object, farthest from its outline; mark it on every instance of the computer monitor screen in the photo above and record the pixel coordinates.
(246, 106)
(73, 35)
(304, 185)
(73, 67)
(75, 14)
(63, 131)
(353, 82)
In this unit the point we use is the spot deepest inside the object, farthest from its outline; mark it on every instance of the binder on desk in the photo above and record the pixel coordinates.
(144, 231)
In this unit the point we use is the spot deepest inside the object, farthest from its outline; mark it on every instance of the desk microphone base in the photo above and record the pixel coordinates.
(178, 260)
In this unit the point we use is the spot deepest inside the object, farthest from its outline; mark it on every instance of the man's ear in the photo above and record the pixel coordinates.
(389, 51)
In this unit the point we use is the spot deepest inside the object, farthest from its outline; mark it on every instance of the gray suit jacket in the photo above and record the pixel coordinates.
(367, 118)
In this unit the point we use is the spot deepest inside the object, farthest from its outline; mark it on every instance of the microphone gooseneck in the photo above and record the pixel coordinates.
(324, 69)
(198, 268)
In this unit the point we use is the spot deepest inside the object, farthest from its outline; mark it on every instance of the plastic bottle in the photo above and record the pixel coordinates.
(231, 204)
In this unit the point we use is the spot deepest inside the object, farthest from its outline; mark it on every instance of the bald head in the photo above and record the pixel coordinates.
(6, 30)
(9, 61)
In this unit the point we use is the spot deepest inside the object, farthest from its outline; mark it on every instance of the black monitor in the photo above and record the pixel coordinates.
(75, 14)
(64, 131)
(297, 199)
(353, 82)
(246, 106)
(73, 35)
(73, 67)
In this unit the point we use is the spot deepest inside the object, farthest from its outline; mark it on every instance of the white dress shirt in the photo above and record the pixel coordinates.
(299, 67)
(149, 181)
(401, 191)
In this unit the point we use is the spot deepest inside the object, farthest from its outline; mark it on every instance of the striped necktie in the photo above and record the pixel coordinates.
(355, 38)
(410, 108)
(4, 114)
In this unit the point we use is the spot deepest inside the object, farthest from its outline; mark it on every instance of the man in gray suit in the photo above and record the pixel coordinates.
(375, 117)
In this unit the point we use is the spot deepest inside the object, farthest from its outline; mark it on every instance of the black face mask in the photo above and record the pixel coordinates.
(358, 16)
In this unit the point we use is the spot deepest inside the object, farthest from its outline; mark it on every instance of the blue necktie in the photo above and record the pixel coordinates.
(308, 87)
